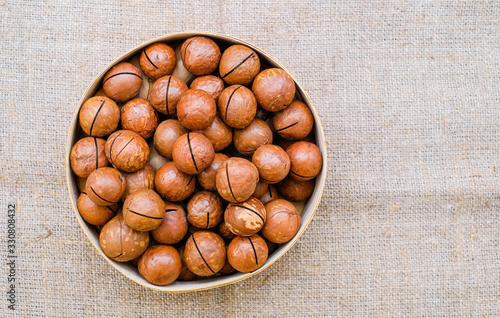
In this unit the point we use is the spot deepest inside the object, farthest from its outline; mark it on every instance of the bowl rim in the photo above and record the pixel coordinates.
(320, 137)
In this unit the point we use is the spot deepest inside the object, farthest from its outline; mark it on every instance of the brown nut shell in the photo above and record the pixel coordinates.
(239, 64)
(246, 218)
(205, 253)
(294, 190)
(186, 274)
(219, 134)
(141, 179)
(160, 265)
(306, 160)
(158, 60)
(210, 84)
(174, 225)
(294, 122)
(122, 82)
(270, 195)
(193, 153)
(282, 223)
(272, 162)
(204, 210)
(99, 116)
(139, 116)
(200, 55)
(248, 139)
(196, 109)
(236, 179)
(87, 155)
(143, 210)
(120, 243)
(127, 150)
(166, 93)
(225, 232)
(247, 253)
(105, 186)
(166, 134)
(260, 189)
(93, 213)
(274, 89)
(237, 106)
(173, 184)
(207, 177)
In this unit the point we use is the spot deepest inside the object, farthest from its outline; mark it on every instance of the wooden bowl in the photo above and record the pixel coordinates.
(308, 208)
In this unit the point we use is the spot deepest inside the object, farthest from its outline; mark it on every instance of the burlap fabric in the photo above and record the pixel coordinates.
(409, 98)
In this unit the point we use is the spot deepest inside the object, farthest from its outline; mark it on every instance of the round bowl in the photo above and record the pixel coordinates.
(308, 208)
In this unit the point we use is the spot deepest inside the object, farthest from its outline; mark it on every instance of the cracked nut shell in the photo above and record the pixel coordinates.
(294, 190)
(160, 265)
(246, 218)
(250, 138)
(127, 150)
(200, 55)
(274, 89)
(205, 253)
(99, 116)
(207, 177)
(166, 134)
(294, 122)
(157, 60)
(204, 210)
(139, 116)
(210, 84)
(193, 153)
(236, 179)
(87, 155)
(166, 93)
(247, 253)
(237, 106)
(143, 210)
(282, 223)
(272, 162)
(174, 225)
(120, 243)
(173, 184)
(122, 82)
(306, 160)
(93, 213)
(239, 64)
(105, 186)
(196, 109)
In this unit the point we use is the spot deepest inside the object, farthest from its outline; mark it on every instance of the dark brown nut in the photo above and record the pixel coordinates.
(158, 60)
(186, 274)
(143, 210)
(105, 186)
(225, 232)
(274, 89)
(294, 122)
(210, 84)
(165, 94)
(166, 134)
(272, 162)
(88, 155)
(196, 109)
(127, 150)
(294, 190)
(81, 183)
(200, 55)
(236, 179)
(139, 116)
(282, 223)
(285, 143)
(160, 265)
(204, 210)
(219, 134)
(227, 269)
(271, 246)
(247, 253)
(247, 140)
(172, 184)
(99, 116)
(270, 195)
(263, 114)
(122, 82)
(205, 253)
(207, 177)
(246, 218)
(120, 243)
(260, 189)
(306, 160)
(193, 229)
(93, 213)
(174, 225)
(193, 153)
(141, 179)
(237, 106)
(239, 64)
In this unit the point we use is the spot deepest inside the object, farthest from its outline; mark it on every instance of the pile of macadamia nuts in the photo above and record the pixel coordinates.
(189, 160)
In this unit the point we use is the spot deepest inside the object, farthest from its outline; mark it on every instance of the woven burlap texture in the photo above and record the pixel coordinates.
(409, 98)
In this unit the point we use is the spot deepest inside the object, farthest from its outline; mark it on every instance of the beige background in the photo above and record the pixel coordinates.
(409, 96)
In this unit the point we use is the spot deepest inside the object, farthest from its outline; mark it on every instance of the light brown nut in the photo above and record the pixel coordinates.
(246, 218)
(247, 253)
(282, 223)
(205, 253)
(87, 155)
